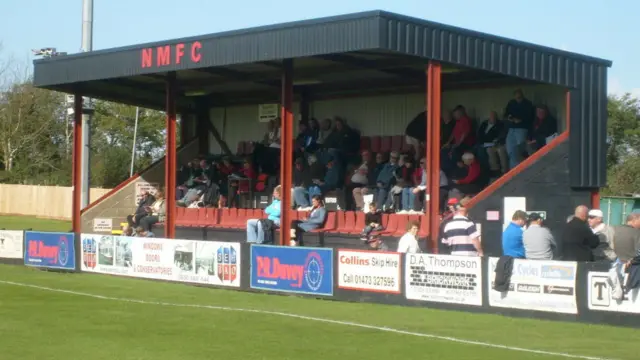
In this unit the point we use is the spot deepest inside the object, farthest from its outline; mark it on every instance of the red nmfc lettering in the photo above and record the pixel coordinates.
(147, 58)
(196, 56)
(179, 52)
(272, 269)
(163, 56)
(167, 55)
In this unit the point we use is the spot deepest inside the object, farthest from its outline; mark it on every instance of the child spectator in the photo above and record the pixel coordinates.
(240, 182)
(372, 221)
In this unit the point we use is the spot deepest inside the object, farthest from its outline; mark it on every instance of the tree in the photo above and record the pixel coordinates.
(623, 128)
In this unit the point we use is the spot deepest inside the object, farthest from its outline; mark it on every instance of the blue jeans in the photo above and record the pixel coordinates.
(381, 197)
(300, 197)
(314, 190)
(254, 231)
(515, 142)
(408, 198)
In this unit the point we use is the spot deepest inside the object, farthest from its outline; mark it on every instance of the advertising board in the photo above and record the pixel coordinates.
(542, 285)
(444, 279)
(200, 262)
(599, 293)
(374, 271)
(50, 250)
(292, 269)
(11, 244)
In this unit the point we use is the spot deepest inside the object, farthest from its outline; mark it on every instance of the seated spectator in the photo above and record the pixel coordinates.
(156, 212)
(141, 211)
(306, 139)
(539, 243)
(604, 251)
(142, 232)
(330, 182)
(446, 128)
(577, 238)
(473, 182)
(258, 228)
(372, 221)
(326, 129)
(266, 153)
(301, 182)
(409, 241)
(314, 130)
(359, 179)
(385, 180)
(461, 234)
(417, 193)
(512, 236)
(315, 220)
(491, 150)
(519, 116)
(403, 179)
(316, 174)
(461, 140)
(272, 136)
(342, 143)
(544, 126)
(240, 182)
(416, 133)
(372, 176)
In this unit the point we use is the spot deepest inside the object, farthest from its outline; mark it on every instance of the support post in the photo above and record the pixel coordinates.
(170, 158)
(434, 105)
(76, 164)
(286, 150)
(87, 45)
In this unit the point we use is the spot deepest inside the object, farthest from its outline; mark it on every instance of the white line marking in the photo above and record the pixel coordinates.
(310, 318)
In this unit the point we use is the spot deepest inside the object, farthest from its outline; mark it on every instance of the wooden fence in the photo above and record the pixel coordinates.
(53, 202)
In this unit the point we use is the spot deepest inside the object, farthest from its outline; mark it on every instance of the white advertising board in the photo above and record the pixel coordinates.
(537, 285)
(11, 244)
(201, 262)
(374, 271)
(102, 225)
(600, 295)
(444, 278)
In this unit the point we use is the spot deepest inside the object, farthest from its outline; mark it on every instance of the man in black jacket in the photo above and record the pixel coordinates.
(544, 125)
(491, 139)
(577, 239)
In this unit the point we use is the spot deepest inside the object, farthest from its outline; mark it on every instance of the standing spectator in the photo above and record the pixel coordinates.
(626, 238)
(491, 138)
(519, 114)
(461, 234)
(156, 212)
(416, 133)
(544, 125)
(577, 239)
(385, 180)
(604, 251)
(512, 244)
(372, 221)
(372, 176)
(409, 241)
(255, 230)
(539, 243)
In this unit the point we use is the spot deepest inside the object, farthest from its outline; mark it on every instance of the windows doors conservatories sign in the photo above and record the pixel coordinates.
(374, 271)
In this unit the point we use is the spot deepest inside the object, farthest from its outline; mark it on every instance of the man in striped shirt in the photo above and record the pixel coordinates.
(461, 234)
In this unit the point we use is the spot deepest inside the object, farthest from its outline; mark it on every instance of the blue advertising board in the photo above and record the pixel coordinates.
(50, 250)
(292, 269)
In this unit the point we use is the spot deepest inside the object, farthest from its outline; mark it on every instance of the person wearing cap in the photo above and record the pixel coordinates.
(539, 243)
(512, 236)
(577, 238)
(604, 251)
(544, 125)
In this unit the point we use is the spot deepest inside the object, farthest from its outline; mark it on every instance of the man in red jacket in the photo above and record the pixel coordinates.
(462, 139)
(472, 183)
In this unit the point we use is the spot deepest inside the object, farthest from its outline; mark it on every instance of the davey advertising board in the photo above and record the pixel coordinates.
(444, 278)
(200, 262)
(542, 285)
(374, 271)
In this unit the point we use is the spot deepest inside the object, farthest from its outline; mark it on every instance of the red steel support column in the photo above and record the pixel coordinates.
(286, 149)
(434, 105)
(76, 164)
(428, 157)
(170, 159)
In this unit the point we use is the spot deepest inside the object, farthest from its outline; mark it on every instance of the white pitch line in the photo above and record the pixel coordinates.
(311, 318)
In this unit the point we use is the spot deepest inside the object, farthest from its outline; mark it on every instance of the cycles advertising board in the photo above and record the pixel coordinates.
(600, 295)
(200, 262)
(542, 285)
(444, 279)
(11, 244)
(50, 250)
(292, 269)
(373, 271)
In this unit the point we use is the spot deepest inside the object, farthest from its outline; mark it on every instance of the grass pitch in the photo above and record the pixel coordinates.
(38, 323)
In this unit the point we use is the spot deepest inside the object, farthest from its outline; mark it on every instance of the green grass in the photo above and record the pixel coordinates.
(31, 222)
(38, 324)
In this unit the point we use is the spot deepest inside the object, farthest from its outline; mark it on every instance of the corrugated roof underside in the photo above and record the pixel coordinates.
(485, 53)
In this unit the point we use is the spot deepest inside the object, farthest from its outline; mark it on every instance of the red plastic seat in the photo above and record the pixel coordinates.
(349, 223)
(329, 223)
(391, 226)
(385, 144)
(396, 143)
(359, 224)
(423, 226)
(240, 220)
(227, 217)
(180, 215)
(375, 144)
(365, 143)
(190, 217)
(212, 216)
(202, 218)
(403, 220)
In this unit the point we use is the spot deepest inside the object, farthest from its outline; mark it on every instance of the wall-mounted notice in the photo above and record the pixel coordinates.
(143, 187)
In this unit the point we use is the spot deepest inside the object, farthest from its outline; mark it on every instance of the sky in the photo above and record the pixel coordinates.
(605, 29)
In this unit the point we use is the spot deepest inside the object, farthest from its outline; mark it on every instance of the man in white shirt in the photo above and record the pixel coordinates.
(409, 242)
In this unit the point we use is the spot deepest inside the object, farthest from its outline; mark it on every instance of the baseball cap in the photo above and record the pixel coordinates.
(452, 201)
(596, 213)
(534, 217)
